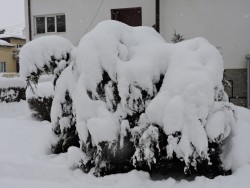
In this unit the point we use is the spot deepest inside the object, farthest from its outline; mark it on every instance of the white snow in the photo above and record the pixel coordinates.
(4, 43)
(104, 127)
(15, 82)
(76, 157)
(25, 160)
(9, 35)
(36, 54)
(237, 151)
(43, 89)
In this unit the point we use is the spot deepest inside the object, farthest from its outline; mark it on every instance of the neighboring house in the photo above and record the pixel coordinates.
(9, 51)
(225, 23)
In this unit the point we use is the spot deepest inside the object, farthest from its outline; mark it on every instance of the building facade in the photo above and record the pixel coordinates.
(9, 54)
(73, 19)
(225, 23)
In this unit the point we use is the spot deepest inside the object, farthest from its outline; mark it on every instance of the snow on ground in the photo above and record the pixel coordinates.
(12, 82)
(25, 161)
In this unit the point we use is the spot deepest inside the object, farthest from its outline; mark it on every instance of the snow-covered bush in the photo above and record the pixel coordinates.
(40, 100)
(12, 89)
(51, 55)
(129, 100)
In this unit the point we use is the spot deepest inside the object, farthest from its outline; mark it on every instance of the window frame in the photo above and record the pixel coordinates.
(46, 24)
(3, 64)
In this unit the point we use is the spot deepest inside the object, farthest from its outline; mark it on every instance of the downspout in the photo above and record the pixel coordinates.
(29, 18)
(157, 15)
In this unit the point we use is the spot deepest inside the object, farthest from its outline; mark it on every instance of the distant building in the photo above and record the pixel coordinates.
(9, 54)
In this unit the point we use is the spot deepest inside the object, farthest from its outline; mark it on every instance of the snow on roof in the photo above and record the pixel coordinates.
(4, 43)
(8, 35)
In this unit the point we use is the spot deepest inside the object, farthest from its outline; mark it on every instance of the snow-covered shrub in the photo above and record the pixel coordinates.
(12, 89)
(40, 100)
(51, 55)
(129, 100)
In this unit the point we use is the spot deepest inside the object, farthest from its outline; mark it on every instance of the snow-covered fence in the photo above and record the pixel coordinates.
(12, 89)
(129, 100)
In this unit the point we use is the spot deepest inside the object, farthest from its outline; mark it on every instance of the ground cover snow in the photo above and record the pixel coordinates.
(26, 162)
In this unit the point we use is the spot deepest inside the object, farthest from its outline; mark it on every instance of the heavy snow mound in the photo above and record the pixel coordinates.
(49, 54)
(132, 100)
(136, 59)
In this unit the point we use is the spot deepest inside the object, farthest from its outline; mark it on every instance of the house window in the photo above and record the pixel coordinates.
(60, 20)
(2, 67)
(50, 24)
(40, 25)
(18, 46)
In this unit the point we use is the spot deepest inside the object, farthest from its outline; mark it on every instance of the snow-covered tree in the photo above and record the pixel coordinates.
(128, 100)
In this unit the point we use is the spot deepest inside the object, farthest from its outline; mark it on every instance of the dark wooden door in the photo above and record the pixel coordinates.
(129, 16)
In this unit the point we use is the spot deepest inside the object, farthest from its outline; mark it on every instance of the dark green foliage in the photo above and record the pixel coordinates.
(40, 107)
(12, 94)
(50, 68)
(177, 37)
(68, 136)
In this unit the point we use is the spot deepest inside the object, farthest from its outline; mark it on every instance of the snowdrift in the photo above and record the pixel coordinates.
(125, 99)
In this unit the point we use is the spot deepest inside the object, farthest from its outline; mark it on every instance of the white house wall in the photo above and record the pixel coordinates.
(81, 14)
(225, 23)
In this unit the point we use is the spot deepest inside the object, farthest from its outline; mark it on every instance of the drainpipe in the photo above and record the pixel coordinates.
(248, 80)
(157, 15)
(29, 19)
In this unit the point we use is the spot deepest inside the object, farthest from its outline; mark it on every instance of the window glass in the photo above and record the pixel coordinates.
(2, 67)
(50, 24)
(61, 26)
(40, 25)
